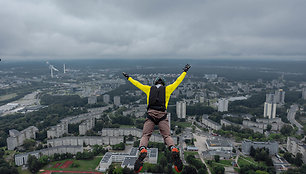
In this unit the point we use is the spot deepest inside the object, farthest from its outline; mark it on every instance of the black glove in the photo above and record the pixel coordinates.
(186, 68)
(126, 75)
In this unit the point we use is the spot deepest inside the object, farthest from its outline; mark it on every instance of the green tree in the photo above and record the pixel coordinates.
(252, 151)
(29, 144)
(111, 169)
(218, 169)
(217, 158)
(202, 171)
(286, 130)
(189, 170)
(44, 160)
(269, 127)
(33, 164)
(298, 159)
(163, 161)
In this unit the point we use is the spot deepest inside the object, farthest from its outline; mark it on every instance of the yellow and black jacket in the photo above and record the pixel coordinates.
(163, 93)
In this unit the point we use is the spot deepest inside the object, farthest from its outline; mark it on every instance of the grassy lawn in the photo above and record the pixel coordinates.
(127, 126)
(245, 161)
(7, 97)
(226, 162)
(183, 124)
(20, 171)
(186, 153)
(85, 165)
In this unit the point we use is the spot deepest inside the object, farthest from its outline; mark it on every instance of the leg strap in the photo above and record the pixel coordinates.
(156, 121)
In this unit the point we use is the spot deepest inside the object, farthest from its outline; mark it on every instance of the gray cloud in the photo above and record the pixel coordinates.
(153, 29)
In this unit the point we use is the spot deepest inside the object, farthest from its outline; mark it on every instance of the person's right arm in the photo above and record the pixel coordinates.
(144, 88)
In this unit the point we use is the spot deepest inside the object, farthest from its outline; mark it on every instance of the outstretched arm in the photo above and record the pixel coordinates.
(174, 85)
(144, 88)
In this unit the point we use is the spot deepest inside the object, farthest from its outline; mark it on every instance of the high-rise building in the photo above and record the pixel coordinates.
(106, 98)
(280, 96)
(181, 109)
(304, 93)
(270, 110)
(222, 105)
(117, 100)
(270, 98)
(92, 100)
(169, 118)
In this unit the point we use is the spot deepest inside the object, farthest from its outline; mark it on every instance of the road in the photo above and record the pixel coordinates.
(181, 147)
(201, 145)
(291, 117)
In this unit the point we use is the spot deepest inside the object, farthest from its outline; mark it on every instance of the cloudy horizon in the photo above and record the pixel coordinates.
(237, 29)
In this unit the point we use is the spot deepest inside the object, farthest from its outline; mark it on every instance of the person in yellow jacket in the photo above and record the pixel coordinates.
(158, 97)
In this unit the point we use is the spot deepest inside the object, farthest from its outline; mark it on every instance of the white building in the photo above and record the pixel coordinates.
(222, 105)
(169, 118)
(127, 159)
(270, 110)
(261, 124)
(218, 144)
(270, 98)
(181, 109)
(210, 124)
(17, 138)
(87, 140)
(117, 100)
(304, 93)
(271, 145)
(86, 126)
(92, 100)
(280, 96)
(22, 159)
(62, 128)
(295, 146)
(58, 130)
(106, 98)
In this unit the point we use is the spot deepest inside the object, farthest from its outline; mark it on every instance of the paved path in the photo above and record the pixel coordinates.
(204, 162)
(236, 159)
(200, 144)
(291, 117)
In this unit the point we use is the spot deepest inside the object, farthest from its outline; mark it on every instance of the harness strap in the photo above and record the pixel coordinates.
(156, 121)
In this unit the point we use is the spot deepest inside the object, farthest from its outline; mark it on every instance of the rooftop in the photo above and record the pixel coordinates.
(217, 142)
(129, 161)
(50, 148)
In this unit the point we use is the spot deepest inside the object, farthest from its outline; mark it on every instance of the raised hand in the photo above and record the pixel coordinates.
(186, 68)
(126, 75)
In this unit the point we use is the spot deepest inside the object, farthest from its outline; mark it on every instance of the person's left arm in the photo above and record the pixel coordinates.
(173, 86)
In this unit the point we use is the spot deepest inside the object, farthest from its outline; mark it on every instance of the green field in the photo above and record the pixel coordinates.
(7, 97)
(226, 162)
(189, 153)
(127, 126)
(85, 165)
(26, 171)
(183, 124)
(246, 161)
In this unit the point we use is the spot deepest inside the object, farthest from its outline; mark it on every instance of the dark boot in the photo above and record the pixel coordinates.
(177, 162)
(139, 162)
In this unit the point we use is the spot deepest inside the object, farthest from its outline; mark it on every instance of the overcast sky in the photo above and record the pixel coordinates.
(243, 29)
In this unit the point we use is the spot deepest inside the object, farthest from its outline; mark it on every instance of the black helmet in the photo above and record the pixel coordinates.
(159, 80)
